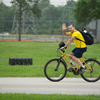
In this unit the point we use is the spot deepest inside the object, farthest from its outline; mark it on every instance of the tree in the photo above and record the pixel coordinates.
(6, 17)
(23, 6)
(44, 3)
(86, 10)
(70, 3)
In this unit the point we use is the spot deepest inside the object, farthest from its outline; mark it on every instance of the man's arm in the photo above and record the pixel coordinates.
(63, 30)
(65, 33)
(68, 42)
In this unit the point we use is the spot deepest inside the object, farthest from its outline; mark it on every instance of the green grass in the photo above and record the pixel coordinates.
(17, 96)
(41, 52)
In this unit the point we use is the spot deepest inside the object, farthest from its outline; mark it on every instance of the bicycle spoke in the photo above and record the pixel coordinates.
(91, 74)
(60, 76)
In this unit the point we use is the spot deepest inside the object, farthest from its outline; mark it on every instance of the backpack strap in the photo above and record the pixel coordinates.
(79, 40)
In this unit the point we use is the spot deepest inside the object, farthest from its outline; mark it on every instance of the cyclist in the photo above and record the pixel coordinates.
(80, 48)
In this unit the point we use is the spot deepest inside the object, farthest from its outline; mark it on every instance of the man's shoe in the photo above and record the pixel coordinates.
(82, 69)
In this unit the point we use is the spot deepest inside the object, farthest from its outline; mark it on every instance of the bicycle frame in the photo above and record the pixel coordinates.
(64, 56)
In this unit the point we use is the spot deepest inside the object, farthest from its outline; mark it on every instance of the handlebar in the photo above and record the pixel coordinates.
(61, 50)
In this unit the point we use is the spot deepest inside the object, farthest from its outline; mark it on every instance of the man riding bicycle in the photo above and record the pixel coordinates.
(80, 48)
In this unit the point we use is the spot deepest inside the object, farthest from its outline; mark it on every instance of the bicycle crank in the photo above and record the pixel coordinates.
(76, 72)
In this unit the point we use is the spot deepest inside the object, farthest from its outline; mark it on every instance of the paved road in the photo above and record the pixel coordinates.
(43, 86)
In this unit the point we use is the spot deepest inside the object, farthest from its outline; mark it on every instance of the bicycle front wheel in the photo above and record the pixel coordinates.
(50, 70)
(94, 75)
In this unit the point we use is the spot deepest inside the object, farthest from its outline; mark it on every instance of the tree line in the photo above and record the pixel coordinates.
(49, 18)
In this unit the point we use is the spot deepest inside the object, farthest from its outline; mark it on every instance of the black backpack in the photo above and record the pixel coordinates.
(87, 37)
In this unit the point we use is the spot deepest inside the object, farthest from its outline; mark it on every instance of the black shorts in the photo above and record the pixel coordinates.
(78, 52)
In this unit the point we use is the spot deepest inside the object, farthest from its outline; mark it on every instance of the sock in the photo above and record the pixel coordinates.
(73, 63)
(83, 66)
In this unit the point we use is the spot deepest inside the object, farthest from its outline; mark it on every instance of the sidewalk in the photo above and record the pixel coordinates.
(75, 86)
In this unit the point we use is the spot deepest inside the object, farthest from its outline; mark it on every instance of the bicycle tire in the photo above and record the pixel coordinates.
(51, 74)
(95, 74)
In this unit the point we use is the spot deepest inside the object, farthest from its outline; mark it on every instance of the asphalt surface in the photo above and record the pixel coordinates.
(76, 86)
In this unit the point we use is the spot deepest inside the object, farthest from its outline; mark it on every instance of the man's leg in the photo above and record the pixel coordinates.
(72, 55)
(76, 54)
(83, 68)
(77, 61)
(71, 61)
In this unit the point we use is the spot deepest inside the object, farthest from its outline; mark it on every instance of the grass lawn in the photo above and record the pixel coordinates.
(41, 52)
(17, 96)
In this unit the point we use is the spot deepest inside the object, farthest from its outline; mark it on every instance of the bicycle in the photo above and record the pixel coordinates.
(56, 69)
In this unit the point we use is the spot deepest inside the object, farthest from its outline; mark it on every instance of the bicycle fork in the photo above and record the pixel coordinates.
(56, 69)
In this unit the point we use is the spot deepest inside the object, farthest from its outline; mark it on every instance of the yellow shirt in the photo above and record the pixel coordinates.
(78, 43)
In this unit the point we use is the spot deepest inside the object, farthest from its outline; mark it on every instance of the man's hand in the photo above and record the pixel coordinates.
(64, 27)
(62, 48)
(63, 30)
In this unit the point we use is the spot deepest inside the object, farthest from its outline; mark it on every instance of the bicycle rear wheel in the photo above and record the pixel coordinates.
(92, 76)
(51, 73)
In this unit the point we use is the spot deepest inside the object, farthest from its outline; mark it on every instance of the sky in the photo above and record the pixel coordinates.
(54, 2)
